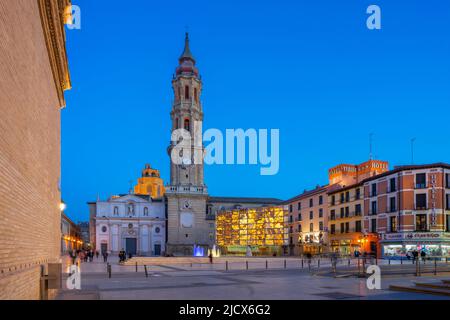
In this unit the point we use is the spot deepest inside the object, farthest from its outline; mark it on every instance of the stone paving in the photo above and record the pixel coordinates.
(210, 282)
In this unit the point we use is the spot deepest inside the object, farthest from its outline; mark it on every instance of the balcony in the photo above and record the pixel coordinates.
(420, 207)
(421, 185)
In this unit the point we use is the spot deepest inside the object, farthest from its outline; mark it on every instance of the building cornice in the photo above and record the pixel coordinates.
(54, 15)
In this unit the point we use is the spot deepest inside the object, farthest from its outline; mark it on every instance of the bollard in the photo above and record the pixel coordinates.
(136, 266)
(285, 264)
(191, 265)
(318, 264)
(401, 260)
(435, 266)
(108, 268)
(246, 265)
(226, 265)
(349, 262)
(302, 263)
(146, 272)
(267, 265)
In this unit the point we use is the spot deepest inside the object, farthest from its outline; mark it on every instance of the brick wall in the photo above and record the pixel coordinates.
(29, 152)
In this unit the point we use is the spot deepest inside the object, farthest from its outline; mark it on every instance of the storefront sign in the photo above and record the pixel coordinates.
(418, 236)
(433, 200)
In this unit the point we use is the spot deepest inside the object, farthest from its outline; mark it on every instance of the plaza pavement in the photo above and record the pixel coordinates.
(212, 282)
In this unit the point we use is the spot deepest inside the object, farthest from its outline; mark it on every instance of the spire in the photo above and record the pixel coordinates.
(187, 52)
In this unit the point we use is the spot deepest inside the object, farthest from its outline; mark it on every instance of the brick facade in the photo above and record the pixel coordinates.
(29, 148)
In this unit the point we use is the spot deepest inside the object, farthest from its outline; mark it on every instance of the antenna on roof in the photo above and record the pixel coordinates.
(412, 150)
(370, 145)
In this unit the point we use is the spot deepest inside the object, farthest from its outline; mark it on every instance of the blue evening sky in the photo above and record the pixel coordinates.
(309, 68)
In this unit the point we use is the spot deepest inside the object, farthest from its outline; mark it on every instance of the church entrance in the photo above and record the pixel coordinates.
(157, 249)
(131, 246)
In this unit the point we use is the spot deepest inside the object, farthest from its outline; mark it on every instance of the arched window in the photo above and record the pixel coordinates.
(145, 211)
(186, 124)
(116, 211)
(186, 92)
(195, 95)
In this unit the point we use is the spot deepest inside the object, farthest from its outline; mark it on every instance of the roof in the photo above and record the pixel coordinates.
(408, 167)
(308, 193)
(187, 54)
(245, 200)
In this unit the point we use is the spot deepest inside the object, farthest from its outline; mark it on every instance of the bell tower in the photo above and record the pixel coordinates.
(187, 193)
(187, 114)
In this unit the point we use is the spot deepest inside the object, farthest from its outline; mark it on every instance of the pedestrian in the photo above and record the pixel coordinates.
(105, 256)
(423, 255)
(210, 258)
(96, 254)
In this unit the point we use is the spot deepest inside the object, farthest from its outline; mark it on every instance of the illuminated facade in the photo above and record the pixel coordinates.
(262, 229)
(150, 183)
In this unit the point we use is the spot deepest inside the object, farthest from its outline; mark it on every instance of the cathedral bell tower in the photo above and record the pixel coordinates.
(187, 194)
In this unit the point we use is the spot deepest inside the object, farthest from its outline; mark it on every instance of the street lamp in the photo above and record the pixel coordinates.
(62, 206)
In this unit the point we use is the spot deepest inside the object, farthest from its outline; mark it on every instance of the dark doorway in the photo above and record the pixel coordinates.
(131, 246)
(104, 247)
(157, 249)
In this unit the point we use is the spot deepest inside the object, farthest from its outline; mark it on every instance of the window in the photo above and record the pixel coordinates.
(290, 208)
(357, 194)
(358, 210)
(448, 223)
(116, 211)
(145, 211)
(299, 228)
(299, 206)
(347, 212)
(374, 190)
(342, 198)
(333, 215)
(320, 213)
(299, 217)
(392, 185)
(291, 230)
(321, 225)
(447, 197)
(342, 212)
(320, 200)
(373, 228)
(421, 180)
(393, 224)
(421, 222)
(311, 215)
(392, 204)
(195, 95)
(104, 229)
(311, 203)
(358, 226)
(291, 241)
(347, 196)
(311, 227)
(333, 200)
(187, 125)
(157, 230)
(342, 227)
(333, 229)
(186, 92)
(290, 219)
(347, 227)
(447, 180)
(374, 207)
(421, 201)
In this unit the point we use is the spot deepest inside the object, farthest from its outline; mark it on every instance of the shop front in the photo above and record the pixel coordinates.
(398, 245)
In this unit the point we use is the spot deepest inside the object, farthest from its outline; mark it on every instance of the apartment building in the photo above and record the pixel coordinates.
(409, 209)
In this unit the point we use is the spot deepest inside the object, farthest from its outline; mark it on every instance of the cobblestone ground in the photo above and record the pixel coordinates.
(209, 282)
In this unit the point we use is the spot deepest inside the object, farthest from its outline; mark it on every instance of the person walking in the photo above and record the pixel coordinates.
(210, 258)
(96, 254)
(105, 256)
(423, 255)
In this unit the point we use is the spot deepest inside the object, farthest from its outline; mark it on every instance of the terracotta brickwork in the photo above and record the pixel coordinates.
(29, 150)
